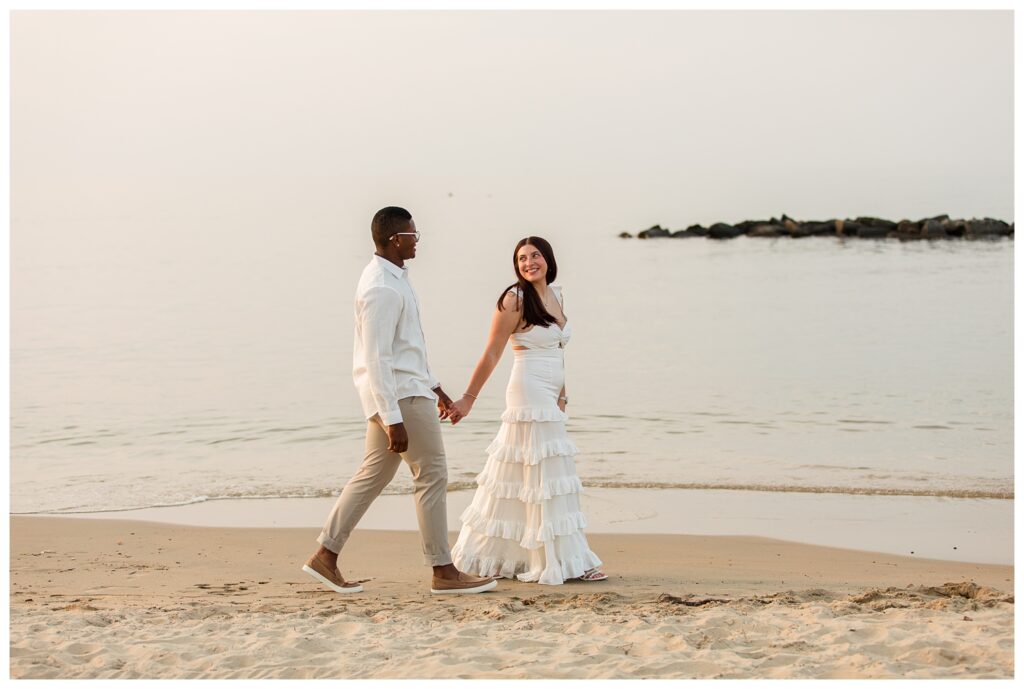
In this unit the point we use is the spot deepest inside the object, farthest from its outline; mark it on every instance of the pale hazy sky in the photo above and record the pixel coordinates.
(614, 120)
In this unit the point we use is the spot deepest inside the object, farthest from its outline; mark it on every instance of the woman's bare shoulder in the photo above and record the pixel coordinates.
(513, 299)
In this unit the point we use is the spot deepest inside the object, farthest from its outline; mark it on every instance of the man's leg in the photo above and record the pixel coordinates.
(429, 466)
(426, 458)
(378, 468)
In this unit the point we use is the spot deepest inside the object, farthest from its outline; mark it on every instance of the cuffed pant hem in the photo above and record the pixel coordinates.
(437, 560)
(331, 544)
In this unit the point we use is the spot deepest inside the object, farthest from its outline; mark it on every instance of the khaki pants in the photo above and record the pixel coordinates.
(426, 459)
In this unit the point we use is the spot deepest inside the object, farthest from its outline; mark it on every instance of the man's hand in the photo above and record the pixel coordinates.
(444, 404)
(398, 438)
(461, 409)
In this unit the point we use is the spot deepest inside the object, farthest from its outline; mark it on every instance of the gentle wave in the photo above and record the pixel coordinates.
(98, 510)
(846, 490)
(649, 485)
(194, 501)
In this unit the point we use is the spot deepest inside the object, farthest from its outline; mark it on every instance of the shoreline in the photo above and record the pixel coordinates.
(961, 529)
(93, 598)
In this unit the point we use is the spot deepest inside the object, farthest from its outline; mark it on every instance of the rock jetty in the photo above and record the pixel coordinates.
(939, 227)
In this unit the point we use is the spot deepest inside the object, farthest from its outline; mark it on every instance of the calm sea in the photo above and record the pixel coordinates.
(162, 363)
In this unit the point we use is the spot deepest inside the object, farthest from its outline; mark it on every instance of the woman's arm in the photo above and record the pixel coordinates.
(562, 397)
(503, 325)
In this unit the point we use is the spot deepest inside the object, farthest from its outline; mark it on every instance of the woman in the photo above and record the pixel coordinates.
(525, 519)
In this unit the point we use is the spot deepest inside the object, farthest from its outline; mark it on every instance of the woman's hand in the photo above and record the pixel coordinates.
(561, 404)
(444, 403)
(461, 409)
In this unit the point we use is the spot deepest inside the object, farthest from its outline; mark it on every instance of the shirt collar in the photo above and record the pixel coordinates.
(391, 267)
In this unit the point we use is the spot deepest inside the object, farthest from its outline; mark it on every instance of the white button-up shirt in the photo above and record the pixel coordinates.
(389, 357)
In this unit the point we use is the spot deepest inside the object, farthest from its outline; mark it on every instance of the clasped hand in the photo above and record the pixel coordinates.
(453, 411)
(459, 410)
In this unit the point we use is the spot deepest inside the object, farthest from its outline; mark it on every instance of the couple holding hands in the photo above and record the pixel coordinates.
(525, 520)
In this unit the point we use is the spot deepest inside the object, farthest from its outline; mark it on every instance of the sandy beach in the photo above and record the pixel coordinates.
(131, 599)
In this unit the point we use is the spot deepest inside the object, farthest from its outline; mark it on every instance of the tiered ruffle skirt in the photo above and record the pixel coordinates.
(525, 520)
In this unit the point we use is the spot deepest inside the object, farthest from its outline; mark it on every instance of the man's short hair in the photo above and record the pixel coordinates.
(386, 222)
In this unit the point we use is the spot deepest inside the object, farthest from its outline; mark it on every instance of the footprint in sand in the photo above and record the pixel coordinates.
(346, 628)
(81, 649)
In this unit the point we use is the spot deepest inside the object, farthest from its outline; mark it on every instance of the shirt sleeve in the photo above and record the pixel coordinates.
(432, 382)
(379, 311)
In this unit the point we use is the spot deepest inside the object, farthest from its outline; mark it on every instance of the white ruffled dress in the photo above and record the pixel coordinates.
(525, 520)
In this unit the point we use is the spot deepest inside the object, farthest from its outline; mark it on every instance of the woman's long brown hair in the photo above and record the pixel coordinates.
(534, 312)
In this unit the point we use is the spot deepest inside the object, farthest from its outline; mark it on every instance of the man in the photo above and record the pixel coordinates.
(398, 393)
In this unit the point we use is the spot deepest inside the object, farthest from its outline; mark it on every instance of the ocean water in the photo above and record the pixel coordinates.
(174, 361)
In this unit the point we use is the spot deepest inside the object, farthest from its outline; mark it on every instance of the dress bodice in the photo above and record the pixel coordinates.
(551, 337)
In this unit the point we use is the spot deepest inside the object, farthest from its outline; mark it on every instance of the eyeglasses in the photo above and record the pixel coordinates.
(414, 235)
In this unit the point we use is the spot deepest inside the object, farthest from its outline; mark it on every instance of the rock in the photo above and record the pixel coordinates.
(986, 227)
(691, 231)
(747, 225)
(653, 231)
(817, 227)
(721, 230)
(906, 231)
(765, 230)
(906, 227)
(876, 223)
(956, 228)
(625, 235)
(933, 228)
(869, 232)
